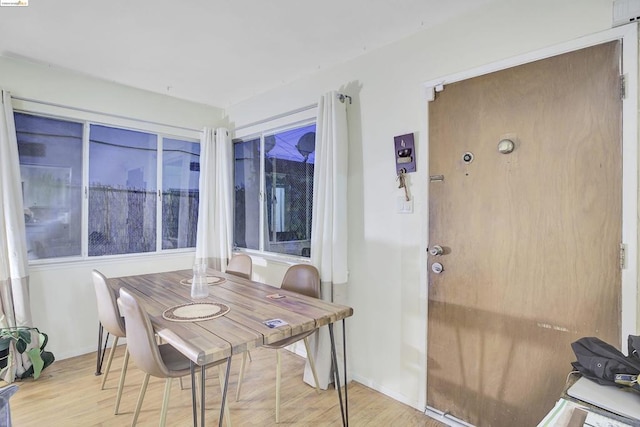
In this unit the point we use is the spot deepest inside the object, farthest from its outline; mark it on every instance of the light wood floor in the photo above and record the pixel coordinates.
(68, 394)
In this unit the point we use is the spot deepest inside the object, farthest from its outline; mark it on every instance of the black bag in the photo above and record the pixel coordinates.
(600, 361)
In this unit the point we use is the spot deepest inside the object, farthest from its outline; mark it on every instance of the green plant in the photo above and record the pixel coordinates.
(21, 337)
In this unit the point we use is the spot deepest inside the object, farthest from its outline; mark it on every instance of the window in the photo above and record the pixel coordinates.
(122, 191)
(180, 194)
(136, 180)
(273, 180)
(50, 153)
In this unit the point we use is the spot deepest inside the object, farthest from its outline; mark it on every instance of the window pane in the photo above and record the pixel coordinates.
(289, 159)
(122, 191)
(50, 153)
(247, 194)
(180, 195)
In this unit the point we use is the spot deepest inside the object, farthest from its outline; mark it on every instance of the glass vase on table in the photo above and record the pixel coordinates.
(199, 285)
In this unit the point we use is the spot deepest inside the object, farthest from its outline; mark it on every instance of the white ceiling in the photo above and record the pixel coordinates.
(217, 52)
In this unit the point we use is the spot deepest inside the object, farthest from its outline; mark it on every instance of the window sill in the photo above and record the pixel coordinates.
(55, 263)
(274, 257)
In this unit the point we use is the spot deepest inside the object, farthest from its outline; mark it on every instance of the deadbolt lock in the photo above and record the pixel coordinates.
(437, 268)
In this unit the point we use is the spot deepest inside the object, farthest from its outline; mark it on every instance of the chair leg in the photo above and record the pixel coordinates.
(278, 366)
(109, 360)
(143, 390)
(249, 353)
(182, 387)
(221, 378)
(123, 374)
(165, 402)
(241, 374)
(312, 364)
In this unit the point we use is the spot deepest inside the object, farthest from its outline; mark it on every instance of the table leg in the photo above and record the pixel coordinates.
(101, 350)
(344, 360)
(336, 375)
(203, 371)
(98, 364)
(224, 391)
(192, 366)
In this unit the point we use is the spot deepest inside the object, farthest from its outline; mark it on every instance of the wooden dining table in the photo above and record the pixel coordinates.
(244, 327)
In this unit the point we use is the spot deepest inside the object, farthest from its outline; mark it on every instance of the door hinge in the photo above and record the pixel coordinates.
(623, 87)
(623, 256)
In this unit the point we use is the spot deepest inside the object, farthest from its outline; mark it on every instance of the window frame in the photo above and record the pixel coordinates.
(86, 119)
(258, 131)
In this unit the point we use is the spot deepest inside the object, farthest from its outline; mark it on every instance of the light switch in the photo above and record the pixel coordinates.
(404, 206)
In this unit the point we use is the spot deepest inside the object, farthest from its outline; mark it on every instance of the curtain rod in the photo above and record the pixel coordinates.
(278, 116)
(85, 110)
(341, 97)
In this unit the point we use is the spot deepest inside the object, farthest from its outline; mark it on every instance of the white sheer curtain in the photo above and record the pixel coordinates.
(329, 222)
(215, 220)
(15, 307)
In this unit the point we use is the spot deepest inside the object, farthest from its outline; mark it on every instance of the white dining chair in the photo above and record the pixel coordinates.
(303, 279)
(113, 323)
(157, 360)
(240, 265)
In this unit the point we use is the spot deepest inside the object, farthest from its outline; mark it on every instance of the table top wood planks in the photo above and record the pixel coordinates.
(242, 328)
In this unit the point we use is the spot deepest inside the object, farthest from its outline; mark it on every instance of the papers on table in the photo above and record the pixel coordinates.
(621, 401)
(567, 413)
(274, 323)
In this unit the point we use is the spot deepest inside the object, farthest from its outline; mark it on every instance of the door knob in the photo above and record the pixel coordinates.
(436, 250)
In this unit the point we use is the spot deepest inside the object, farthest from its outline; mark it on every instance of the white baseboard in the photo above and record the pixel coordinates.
(445, 418)
(77, 352)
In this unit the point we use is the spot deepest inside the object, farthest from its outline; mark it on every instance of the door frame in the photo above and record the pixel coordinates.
(628, 34)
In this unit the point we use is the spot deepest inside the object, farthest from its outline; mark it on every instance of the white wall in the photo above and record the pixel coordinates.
(45, 83)
(387, 286)
(63, 302)
(62, 297)
(387, 250)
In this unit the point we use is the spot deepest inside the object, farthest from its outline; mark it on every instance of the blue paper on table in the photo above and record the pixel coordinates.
(274, 323)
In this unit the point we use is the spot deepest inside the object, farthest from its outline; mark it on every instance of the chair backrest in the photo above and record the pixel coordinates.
(141, 340)
(108, 312)
(5, 410)
(303, 279)
(240, 265)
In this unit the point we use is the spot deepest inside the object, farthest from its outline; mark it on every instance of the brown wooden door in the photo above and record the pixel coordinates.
(531, 238)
